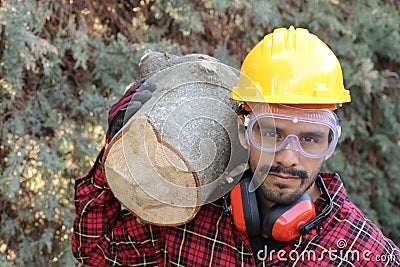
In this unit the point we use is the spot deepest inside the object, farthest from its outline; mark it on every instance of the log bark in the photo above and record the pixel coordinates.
(175, 153)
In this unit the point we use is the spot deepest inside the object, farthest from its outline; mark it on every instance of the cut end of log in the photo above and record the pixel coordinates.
(159, 188)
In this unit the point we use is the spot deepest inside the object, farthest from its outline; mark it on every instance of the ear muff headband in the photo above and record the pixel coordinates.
(311, 224)
(250, 209)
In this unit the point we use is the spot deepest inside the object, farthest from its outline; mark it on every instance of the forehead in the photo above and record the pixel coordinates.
(289, 126)
(259, 106)
(285, 116)
(294, 111)
(265, 108)
(262, 108)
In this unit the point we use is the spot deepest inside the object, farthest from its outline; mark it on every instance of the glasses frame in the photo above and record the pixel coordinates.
(320, 116)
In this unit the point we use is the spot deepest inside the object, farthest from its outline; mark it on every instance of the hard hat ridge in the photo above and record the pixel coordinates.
(283, 40)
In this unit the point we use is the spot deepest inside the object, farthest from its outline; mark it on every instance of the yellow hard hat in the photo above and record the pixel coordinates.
(291, 66)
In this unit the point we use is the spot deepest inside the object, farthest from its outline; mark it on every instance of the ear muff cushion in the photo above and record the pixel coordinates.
(270, 218)
(237, 209)
(250, 209)
(244, 209)
(274, 213)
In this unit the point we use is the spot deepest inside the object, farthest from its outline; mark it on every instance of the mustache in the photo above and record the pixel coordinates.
(277, 169)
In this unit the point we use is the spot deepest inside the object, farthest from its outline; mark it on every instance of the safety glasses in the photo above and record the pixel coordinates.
(312, 132)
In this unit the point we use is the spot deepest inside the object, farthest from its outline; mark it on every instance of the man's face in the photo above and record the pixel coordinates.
(286, 174)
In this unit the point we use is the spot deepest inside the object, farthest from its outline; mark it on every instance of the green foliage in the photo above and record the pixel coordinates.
(181, 12)
(64, 62)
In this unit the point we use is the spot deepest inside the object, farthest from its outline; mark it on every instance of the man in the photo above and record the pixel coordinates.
(291, 84)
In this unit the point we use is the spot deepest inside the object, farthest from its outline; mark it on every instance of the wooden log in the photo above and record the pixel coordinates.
(175, 154)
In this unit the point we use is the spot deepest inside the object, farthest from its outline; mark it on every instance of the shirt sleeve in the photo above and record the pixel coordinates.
(105, 235)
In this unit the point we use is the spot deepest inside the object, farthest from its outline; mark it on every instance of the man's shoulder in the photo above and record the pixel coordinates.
(351, 232)
(348, 229)
(209, 216)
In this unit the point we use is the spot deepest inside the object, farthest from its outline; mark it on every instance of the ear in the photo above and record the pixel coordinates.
(242, 132)
(329, 155)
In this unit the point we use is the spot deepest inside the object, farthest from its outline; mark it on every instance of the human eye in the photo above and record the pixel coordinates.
(269, 134)
(265, 132)
(268, 131)
(309, 139)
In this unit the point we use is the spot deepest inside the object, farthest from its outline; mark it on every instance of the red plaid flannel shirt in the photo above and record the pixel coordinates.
(106, 235)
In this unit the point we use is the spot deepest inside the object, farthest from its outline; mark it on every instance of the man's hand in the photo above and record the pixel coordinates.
(135, 96)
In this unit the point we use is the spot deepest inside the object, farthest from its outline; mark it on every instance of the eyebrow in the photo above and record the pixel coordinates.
(319, 134)
(266, 126)
(271, 126)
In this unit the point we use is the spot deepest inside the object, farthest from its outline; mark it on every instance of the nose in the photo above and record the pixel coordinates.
(291, 144)
(287, 157)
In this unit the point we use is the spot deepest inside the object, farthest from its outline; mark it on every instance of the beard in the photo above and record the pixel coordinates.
(280, 193)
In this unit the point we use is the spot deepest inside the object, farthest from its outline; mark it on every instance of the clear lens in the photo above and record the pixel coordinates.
(313, 136)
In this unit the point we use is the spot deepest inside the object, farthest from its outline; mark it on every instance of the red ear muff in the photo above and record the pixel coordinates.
(283, 223)
(237, 209)
(244, 209)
